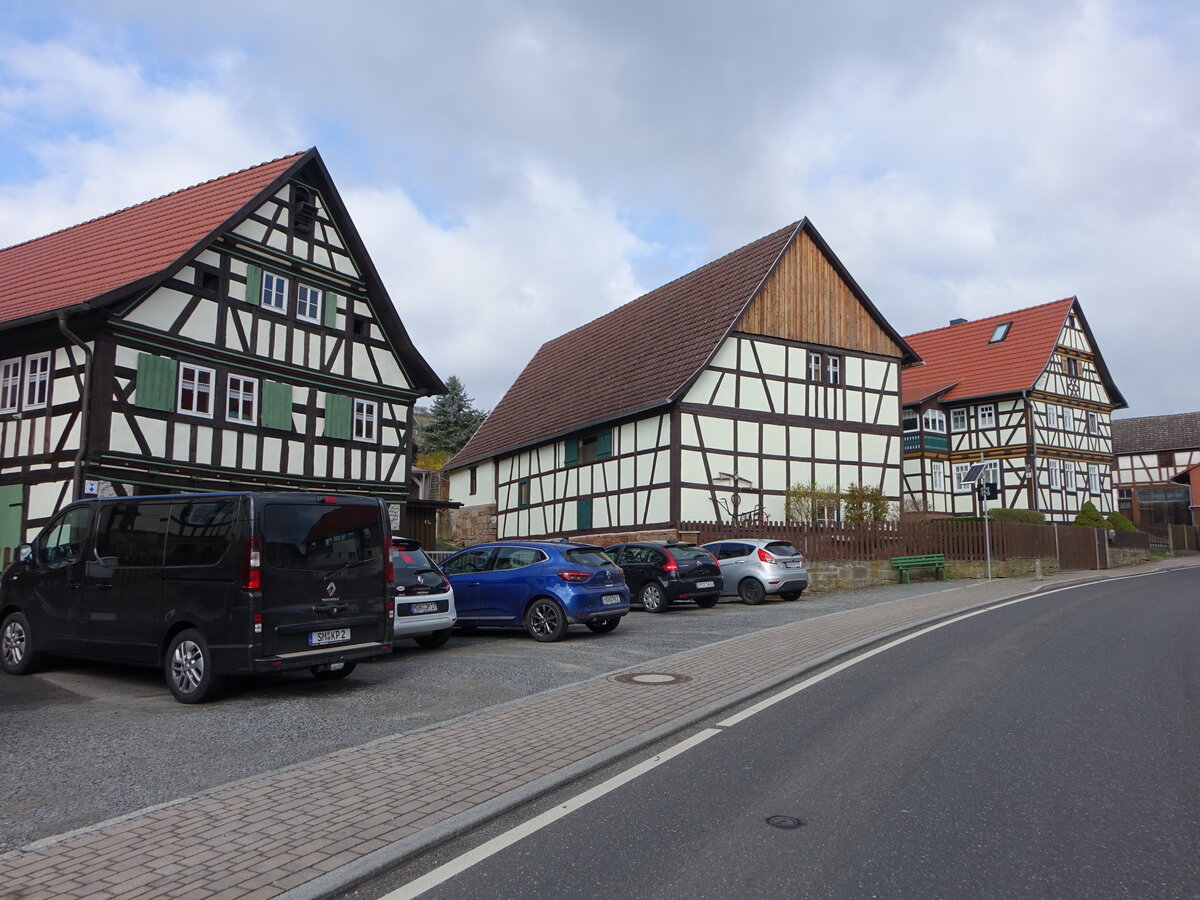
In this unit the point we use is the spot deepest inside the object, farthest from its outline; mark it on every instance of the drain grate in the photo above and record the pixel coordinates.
(784, 822)
(654, 678)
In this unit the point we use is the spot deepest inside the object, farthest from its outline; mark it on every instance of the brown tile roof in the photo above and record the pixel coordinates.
(636, 357)
(1143, 434)
(960, 360)
(102, 256)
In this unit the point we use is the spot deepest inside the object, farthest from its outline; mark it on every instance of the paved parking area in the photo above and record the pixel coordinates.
(317, 825)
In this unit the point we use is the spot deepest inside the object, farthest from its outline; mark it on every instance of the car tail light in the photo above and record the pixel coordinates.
(258, 623)
(391, 607)
(575, 577)
(713, 557)
(765, 556)
(670, 565)
(327, 499)
(252, 565)
(389, 566)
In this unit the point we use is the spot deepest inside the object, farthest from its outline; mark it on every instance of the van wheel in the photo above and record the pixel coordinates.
(333, 674)
(433, 641)
(17, 656)
(545, 620)
(751, 591)
(188, 668)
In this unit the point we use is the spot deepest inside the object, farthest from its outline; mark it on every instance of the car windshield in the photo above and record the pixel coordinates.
(683, 554)
(781, 548)
(587, 556)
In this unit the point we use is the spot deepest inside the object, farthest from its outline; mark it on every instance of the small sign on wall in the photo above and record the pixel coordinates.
(90, 487)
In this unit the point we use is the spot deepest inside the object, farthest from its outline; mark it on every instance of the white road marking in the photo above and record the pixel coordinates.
(495, 845)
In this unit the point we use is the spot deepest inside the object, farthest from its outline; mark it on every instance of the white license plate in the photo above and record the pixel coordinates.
(333, 636)
(792, 564)
(611, 599)
(705, 584)
(415, 608)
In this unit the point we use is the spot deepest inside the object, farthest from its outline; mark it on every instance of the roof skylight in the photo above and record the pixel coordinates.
(1000, 333)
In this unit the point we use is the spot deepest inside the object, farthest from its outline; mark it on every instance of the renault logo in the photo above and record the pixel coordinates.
(330, 589)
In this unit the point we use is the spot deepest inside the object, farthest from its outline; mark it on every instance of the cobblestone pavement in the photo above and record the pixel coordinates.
(319, 826)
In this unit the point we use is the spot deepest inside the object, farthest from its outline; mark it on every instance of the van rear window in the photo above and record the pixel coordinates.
(322, 538)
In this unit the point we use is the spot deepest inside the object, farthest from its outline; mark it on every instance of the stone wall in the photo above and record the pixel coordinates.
(1119, 557)
(473, 524)
(850, 574)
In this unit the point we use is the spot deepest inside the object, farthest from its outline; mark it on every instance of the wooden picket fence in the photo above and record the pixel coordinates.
(956, 539)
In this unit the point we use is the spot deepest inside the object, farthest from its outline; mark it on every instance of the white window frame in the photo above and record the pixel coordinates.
(939, 477)
(814, 367)
(186, 370)
(1093, 475)
(1052, 417)
(990, 410)
(934, 421)
(1056, 479)
(960, 469)
(245, 391)
(36, 389)
(10, 384)
(833, 369)
(307, 294)
(1093, 423)
(274, 288)
(959, 420)
(1068, 414)
(915, 420)
(991, 474)
(366, 421)
(1070, 482)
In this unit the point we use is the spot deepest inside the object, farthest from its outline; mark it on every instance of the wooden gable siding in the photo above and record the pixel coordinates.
(806, 299)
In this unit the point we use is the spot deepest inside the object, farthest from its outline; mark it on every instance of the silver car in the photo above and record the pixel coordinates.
(425, 608)
(754, 568)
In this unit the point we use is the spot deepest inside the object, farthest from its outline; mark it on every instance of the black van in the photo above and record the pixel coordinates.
(204, 585)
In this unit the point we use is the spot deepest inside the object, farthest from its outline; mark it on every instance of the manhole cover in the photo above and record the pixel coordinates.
(651, 678)
(784, 821)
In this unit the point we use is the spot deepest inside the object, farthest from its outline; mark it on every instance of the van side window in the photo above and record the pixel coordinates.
(131, 533)
(200, 532)
(62, 541)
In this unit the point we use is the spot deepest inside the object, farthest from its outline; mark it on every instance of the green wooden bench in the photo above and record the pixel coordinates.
(905, 564)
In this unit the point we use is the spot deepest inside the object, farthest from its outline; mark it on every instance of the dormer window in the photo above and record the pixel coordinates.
(1000, 332)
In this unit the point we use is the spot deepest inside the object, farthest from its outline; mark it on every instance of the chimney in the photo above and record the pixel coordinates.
(958, 321)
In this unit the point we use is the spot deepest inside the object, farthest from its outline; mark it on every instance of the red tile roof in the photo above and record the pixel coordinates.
(636, 357)
(104, 255)
(961, 361)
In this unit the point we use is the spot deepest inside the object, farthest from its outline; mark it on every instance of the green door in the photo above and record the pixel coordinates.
(12, 520)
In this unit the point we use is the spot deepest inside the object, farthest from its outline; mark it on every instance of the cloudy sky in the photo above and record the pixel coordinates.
(518, 168)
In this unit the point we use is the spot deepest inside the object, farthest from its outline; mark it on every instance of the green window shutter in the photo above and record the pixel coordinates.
(254, 285)
(604, 444)
(337, 416)
(583, 513)
(330, 315)
(571, 452)
(276, 405)
(155, 388)
(12, 514)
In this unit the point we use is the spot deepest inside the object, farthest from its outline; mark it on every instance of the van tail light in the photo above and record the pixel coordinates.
(252, 565)
(258, 623)
(575, 577)
(765, 556)
(389, 567)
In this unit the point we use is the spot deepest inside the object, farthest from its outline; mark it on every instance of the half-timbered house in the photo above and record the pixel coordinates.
(1156, 473)
(233, 334)
(703, 400)
(1026, 392)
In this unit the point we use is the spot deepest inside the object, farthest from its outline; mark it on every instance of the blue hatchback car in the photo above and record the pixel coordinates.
(541, 585)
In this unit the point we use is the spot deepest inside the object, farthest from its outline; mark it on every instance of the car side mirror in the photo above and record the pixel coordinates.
(25, 553)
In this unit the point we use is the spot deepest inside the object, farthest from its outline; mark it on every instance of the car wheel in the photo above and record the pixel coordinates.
(433, 641)
(707, 602)
(188, 668)
(333, 674)
(17, 656)
(545, 620)
(652, 597)
(605, 625)
(751, 591)
(790, 595)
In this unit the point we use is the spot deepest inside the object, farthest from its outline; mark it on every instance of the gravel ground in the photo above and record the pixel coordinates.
(86, 742)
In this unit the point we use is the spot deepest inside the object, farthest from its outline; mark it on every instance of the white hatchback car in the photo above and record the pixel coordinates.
(424, 598)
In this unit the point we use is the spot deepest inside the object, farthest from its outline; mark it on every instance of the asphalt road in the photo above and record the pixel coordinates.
(85, 742)
(1044, 749)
